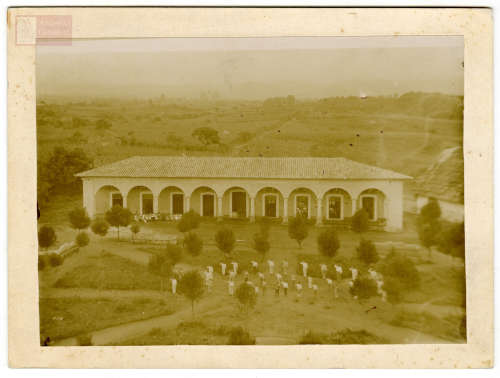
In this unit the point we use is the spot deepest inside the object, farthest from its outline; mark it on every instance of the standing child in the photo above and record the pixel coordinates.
(323, 268)
(255, 266)
(230, 287)
(235, 267)
(309, 282)
(338, 270)
(284, 267)
(304, 268)
(271, 266)
(223, 268)
(299, 290)
(174, 285)
(285, 288)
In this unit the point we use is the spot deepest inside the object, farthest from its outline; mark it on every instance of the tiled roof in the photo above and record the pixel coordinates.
(242, 167)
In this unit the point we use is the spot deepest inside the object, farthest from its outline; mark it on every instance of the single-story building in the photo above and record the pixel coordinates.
(321, 189)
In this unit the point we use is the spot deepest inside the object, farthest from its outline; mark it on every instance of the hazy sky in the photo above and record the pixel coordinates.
(252, 68)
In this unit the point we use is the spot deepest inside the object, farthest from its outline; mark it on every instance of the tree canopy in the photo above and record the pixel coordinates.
(328, 242)
(118, 217)
(298, 229)
(206, 135)
(193, 244)
(189, 221)
(99, 227)
(46, 237)
(79, 218)
(225, 240)
(360, 221)
(191, 286)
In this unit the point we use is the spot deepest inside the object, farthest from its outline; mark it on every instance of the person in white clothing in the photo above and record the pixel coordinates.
(354, 273)
(380, 283)
(338, 270)
(231, 287)
(304, 268)
(384, 295)
(299, 290)
(284, 266)
(256, 288)
(255, 266)
(329, 282)
(278, 277)
(223, 268)
(315, 289)
(235, 267)
(264, 285)
(324, 269)
(271, 266)
(285, 288)
(232, 274)
(174, 285)
(210, 268)
(309, 282)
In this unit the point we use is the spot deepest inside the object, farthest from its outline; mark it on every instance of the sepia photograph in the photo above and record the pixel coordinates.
(251, 191)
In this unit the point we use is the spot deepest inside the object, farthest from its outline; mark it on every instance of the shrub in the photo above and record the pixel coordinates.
(135, 228)
(78, 218)
(239, 336)
(328, 242)
(193, 244)
(99, 227)
(402, 268)
(261, 244)
(55, 260)
(311, 337)
(41, 263)
(225, 240)
(394, 289)
(46, 237)
(367, 252)
(364, 287)
(82, 239)
(173, 253)
(189, 221)
(298, 229)
(360, 221)
(246, 296)
(85, 340)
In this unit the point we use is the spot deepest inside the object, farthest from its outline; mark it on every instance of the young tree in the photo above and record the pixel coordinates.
(173, 253)
(367, 252)
(118, 217)
(206, 135)
(191, 286)
(429, 225)
(189, 221)
(46, 237)
(193, 244)
(135, 228)
(298, 229)
(225, 240)
(99, 227)
(261, 244)
(79, 218)
(161, 266)
(452, 241)
(328, 242)
(360, 222)
(82, 239)
(239, 336)
(247, 297)
(401, 268)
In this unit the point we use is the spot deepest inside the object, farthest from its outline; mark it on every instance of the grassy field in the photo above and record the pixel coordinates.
(100, 268)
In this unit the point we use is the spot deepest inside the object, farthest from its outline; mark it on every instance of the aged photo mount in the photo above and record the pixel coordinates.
(261, 188)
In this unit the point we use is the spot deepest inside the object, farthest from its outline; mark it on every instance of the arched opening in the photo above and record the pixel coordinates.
(140, 200)
(337, 204)
(204, 201)
(373, 201)
(106, 197)
(269, 203)
(302, 202)
(171, 202)
(235, 202)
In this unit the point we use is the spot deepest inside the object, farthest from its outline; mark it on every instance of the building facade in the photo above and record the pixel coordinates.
(325, 190)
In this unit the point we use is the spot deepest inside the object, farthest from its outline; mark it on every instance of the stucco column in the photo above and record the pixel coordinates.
(219, 208)
(124, 200)
(187, 204)
(89, 197)
(354, 200)
(252, 208)
(319, 207)
(155, 203)
(285, 209)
